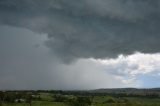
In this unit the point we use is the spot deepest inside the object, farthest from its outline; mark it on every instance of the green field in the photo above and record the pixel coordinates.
(57, 99)
(36, 103)
(97, 101)
(132, 102)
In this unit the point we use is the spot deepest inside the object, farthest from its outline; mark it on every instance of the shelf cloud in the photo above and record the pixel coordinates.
(88, 28)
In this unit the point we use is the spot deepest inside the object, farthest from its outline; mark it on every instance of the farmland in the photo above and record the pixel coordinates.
(101, 97)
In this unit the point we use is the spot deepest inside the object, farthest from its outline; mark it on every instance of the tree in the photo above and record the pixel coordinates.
(80, 101)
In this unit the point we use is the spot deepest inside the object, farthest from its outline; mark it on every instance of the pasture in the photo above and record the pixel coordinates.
(73, 99)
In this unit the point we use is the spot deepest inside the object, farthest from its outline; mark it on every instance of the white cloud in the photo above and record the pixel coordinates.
(129, 68)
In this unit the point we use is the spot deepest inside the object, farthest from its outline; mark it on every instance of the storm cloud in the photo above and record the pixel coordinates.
(25, 63)
(47, 44)
(88, 28)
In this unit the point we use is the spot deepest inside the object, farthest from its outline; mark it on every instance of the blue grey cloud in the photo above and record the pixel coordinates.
(88, 28)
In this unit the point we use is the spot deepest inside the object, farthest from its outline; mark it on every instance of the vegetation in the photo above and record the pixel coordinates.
(80, 98)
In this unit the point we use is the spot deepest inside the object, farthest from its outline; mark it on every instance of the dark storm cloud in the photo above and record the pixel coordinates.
(89, 28)
(26, 64)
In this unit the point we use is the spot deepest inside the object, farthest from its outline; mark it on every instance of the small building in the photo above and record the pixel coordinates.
(19, 100)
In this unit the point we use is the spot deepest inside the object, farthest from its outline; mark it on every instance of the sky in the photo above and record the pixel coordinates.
(79, 44)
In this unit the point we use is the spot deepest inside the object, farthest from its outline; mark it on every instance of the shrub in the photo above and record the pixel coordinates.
(110, 100)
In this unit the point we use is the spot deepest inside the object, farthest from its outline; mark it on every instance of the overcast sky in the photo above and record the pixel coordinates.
(79, 44)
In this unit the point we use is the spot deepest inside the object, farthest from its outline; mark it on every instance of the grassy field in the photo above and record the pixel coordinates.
(125, 101)
(49, 99)
(131, 103)
(98, 101)
(36, 103)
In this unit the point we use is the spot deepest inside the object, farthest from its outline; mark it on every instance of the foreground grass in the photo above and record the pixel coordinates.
(48, 100)
(133, 102)
(36, 103)
(61, 104)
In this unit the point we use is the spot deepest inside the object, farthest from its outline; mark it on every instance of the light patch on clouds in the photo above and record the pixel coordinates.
(122, 10)
(131, 68)
(138, 63)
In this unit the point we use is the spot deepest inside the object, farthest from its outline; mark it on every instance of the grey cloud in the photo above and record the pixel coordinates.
(88, 28)
(24, 65)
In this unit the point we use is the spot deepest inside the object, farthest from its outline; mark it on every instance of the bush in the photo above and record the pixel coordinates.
(60, 98)
(110, 100)
(80, 101)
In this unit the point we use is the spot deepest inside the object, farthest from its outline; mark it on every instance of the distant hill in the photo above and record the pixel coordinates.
(126, 90)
